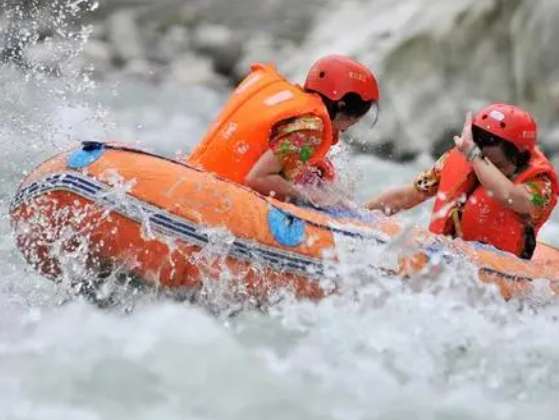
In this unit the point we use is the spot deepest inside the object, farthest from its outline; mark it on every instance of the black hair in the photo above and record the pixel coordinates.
(484, 138)
(351, 105)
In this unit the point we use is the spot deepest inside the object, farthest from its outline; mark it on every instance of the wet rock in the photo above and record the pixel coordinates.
(435, 60)
(555, 160)
(210, 37)
(171, 45)
(162, 31)
(535, 64)
(261, 47)
(140, 68)
(193, 69)
(435, 63)
(220, 43)
(124, 36)
(282, 19)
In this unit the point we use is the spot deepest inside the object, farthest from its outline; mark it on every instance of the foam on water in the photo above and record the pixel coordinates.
(442, 346)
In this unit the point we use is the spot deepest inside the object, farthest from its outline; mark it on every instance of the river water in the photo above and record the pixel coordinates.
(444, 347)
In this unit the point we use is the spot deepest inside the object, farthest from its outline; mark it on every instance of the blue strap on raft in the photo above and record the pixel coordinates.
(89, 152)
(287, 229)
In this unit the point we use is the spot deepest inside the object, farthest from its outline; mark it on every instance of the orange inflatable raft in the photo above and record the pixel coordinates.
(174, 226)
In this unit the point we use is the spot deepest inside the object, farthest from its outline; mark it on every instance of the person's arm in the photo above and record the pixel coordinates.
(265, 177)
(406, 197)
(292, 144)
(516, 197)
(397, 199)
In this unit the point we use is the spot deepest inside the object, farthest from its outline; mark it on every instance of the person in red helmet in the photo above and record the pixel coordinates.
(495, 186)
(273, 135)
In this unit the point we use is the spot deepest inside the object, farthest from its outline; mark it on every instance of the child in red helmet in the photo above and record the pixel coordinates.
(273, 134)
(495, 186)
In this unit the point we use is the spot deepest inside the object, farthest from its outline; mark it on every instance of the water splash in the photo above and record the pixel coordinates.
(440, 345)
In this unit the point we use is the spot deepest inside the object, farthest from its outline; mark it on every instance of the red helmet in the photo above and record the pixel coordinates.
(336, 75)
(509, 123)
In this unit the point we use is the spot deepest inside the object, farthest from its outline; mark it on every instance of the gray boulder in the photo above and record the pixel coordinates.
(124, 35)
(193, 69)
(437, 59)
(220, 43)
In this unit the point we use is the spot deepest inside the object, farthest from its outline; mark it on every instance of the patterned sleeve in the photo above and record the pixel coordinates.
(294, 142)
(540, 188)
(427, 182)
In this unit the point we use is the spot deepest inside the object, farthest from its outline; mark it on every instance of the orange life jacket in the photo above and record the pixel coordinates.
(241, 133)
(483, 218)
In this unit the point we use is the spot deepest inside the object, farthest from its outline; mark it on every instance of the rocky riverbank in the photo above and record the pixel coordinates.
(435, 59)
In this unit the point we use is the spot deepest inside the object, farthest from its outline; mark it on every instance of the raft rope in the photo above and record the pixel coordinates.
(163, 221)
